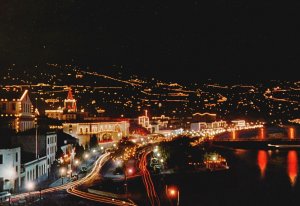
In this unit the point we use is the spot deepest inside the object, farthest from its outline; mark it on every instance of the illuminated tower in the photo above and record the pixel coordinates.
(70, 102)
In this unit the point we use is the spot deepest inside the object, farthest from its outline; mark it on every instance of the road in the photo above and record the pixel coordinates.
(72, 187)
(150, 189)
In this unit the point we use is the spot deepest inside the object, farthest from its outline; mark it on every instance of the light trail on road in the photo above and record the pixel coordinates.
(152, 195)
(71, 187)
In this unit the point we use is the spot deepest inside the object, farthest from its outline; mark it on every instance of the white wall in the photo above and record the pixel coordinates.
(51, 148)
(10, 168)
(34, 170)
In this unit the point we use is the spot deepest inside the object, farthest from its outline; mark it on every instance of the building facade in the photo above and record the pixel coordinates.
(16, 107)
(10, 169)
(105, 131)
(68, 111)
(34, 171)
(51, 148)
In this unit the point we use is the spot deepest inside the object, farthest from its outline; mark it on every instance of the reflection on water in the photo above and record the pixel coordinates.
(292, 166)
(233, 134)
(262, 161)
(291, 133)
(262, 133)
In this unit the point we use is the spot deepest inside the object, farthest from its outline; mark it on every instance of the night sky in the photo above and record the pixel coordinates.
(187, 39)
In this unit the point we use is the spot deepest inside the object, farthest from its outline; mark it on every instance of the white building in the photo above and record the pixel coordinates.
(162, 121)
(144, 121)
(239, 123)
(15, 105)
(10, 169)
(34, 171)
(105, 131)
(200, 126)
(51, 148)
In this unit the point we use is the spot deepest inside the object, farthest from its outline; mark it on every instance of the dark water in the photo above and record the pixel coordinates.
(255, 177)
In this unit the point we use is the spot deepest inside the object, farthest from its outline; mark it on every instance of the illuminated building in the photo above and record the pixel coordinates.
(36, 167)
(144, 121)
(105, 131)
(204, 121)
(239, 123)
(16, 109)
(162, 121)
(204, 117)
(33, 169)
(70, 103)
(68, 112)
(200, 126)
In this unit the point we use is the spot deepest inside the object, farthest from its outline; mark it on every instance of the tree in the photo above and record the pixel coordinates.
(79, 150)
(86, 148)
(94, 142)
(54, 170)
(59, 153)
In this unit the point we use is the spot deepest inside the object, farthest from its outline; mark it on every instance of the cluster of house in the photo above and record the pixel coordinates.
(28, 148)
(26, 154)
(199, 122)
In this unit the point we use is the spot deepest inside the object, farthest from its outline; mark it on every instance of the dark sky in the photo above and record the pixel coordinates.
(186, 39)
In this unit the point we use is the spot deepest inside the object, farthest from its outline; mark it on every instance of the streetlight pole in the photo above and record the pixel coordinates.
(40, 196)
(126, 188)
(86, 156)
(62, 170)
(30, 186)
(178, 198)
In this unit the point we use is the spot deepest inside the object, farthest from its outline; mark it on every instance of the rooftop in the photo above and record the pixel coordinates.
(11, 94)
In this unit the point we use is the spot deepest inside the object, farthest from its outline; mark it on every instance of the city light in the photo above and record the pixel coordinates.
(130, 171)
(172, 192)
(30, 186)
(255, 122)
(62, 171)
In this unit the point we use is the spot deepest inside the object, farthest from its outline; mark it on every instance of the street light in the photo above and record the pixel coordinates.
(173, 192)
(130, 172)
(70, 173)
(76, 162)
(62, 172)
(30, 187)
(86, 156)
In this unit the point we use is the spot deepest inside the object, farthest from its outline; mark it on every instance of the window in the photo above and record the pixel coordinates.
(17, 157)
(3, 107)
(14, 106)
(1, 159)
